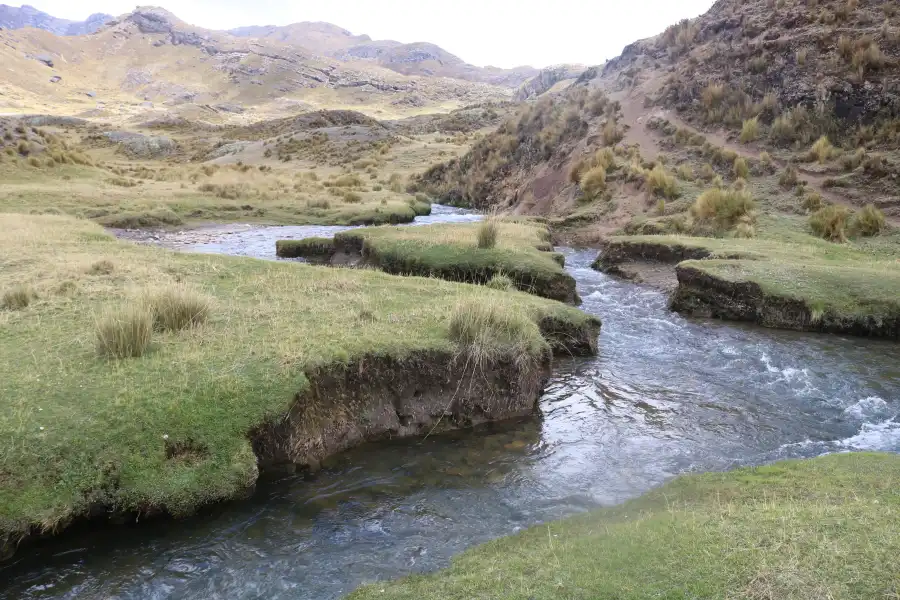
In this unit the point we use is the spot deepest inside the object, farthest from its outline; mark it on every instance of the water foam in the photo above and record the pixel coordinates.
(865, 408)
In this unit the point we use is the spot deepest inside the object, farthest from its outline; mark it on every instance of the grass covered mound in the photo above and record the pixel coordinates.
(148, 196)
(786, 278)
(216, 346)
(471, 252)
(822, 528)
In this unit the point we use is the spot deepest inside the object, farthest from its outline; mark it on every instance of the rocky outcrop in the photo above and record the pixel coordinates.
(702, 294)
(12, 17)
(546, 79)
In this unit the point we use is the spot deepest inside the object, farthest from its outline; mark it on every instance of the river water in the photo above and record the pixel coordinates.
(666, 395)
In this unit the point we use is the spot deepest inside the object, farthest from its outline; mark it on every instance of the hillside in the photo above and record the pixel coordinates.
(762, 80)
(15, 17)
(149, 63)
(419, 58)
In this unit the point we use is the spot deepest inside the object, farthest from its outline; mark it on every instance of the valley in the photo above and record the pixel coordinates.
(303, 299)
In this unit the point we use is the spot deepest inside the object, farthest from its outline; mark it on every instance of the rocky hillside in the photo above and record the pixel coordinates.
(420, 58)
(14, 17)
(149, 60)
(808, 86)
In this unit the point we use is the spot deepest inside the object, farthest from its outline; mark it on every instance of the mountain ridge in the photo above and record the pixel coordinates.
(12, 17)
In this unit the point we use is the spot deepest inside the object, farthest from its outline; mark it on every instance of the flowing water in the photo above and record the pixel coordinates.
(666, 395)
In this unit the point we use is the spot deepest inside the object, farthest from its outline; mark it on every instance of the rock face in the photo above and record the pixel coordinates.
(12, 17)
(546, 79)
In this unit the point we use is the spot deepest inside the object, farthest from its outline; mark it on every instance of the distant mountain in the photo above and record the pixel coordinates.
(12, 17)
(418, 58)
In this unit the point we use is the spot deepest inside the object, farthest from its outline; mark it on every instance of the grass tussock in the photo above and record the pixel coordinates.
(822, 151)
(177, 307)
(18, 297)
(488, 231)
(741, 168)
(660, 183)
(488, 332)
(501, 282)
(124, 332)
(830, 223)
(593, 183)
(750, 130)
(867, 222)
(717, 211)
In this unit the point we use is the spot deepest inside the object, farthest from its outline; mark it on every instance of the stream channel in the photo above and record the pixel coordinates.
(666, 395)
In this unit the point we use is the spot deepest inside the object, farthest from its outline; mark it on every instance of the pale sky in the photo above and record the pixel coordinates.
(502, 33)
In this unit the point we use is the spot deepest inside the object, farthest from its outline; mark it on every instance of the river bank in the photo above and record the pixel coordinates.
(289, 363)
(789, 280)
(611, 428)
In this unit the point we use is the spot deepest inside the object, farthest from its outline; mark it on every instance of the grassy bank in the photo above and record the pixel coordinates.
(517, 250)
(138, 195)
(823, 528)
(852, 287)
(170, 429)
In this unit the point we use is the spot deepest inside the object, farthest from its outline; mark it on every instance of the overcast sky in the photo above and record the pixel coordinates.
(503, 33)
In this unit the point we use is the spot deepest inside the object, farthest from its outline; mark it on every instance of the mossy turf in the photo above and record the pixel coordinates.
(79, 430)
(851, 281)
(523, 253)
(800, 530)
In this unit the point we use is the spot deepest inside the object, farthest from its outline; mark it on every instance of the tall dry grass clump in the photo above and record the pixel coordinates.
(18, 297)
(661, 183)
(868, 222)
(822, 150)
(124, 332)
(593, 183)
(488, 231)
(830, 223)
(717, 211)
(488, 331)
(750, 130)
(741, 168)
(177, 307)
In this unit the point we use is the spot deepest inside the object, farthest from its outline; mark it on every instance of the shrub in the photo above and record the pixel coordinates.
(177, 307)
(593, 183)
(124, 332)
(18, 297)
(741, 170)
(868, 222)
(501, 282)
(750, 130)
(822, 150)
(661, 183)
(718, 210)
(488, 331)
(352, 197)
(745, 228)
(830, 223)
(488, 231)
(33, 161)
(788, 178)
(812, 202)
(351, 180)
(319, 203)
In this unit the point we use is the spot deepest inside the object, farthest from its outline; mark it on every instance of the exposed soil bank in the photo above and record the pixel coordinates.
(351, 249)
(702, 294)
(645, 263)
(376, 398)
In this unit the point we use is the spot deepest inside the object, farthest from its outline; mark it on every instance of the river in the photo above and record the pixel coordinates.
(666, 395)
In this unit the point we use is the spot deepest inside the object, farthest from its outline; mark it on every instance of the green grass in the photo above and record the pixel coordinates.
(81, 429)
(797, 530)
(522, 252)
(851, 281)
